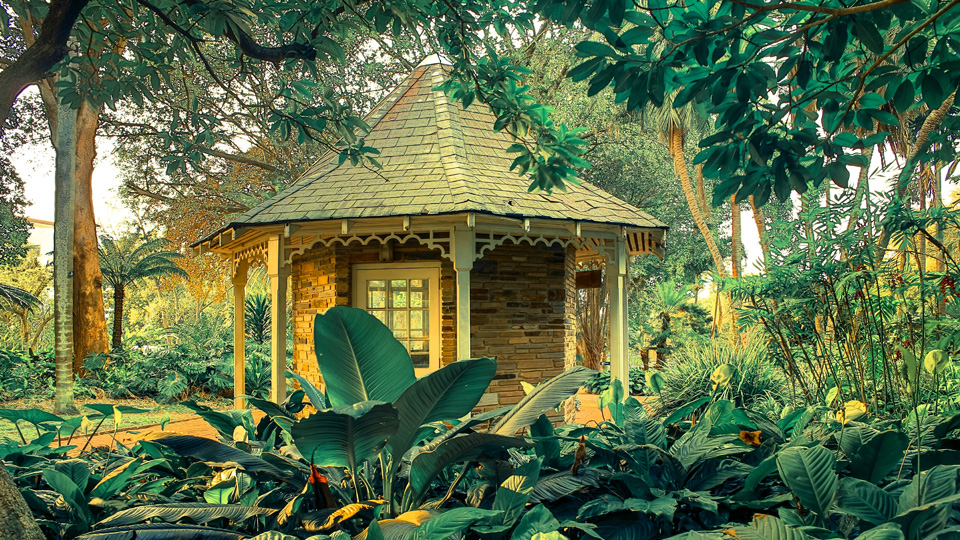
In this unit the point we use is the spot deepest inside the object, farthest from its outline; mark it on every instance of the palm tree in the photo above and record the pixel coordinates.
(125, 262)
(674, 125)
(675, 302)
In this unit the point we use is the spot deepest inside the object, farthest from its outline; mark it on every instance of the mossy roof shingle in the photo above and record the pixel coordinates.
(437, 159)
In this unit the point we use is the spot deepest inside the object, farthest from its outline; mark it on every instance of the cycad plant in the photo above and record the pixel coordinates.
(675, 302)
(128, 260)
(257, 315)
(15, 297)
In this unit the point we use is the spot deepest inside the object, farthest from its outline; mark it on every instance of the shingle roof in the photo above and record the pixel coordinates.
(437, 159)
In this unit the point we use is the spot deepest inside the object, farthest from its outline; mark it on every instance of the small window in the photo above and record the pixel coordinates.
(406, 298)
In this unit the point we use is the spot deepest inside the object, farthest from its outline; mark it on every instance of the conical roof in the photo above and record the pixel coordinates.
(436, 159)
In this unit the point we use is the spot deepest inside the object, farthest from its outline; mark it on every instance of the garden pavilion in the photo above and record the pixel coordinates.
(444, 244)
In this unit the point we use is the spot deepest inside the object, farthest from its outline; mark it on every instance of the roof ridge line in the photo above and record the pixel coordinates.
(451, 145)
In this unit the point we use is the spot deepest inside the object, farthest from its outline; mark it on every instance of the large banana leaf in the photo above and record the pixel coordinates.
(447, 394)
(345, 436)
(72, 494)
(767, 528)
(452, 522)
(811, 476)
(313, 393)
(162, 531)
(515, 491)
(219, 455)
(921, 507)
(873, 454)
(196, 512)
(558, 485)
(887, 531)
(425, 467)
(359, 358)
(866, 501)
(541, 399)
(538, 519)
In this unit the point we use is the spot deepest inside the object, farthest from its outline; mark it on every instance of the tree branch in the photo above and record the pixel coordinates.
(35, 62)
(818, 9)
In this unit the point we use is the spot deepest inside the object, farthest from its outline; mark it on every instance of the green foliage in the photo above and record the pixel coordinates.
(14, 228)
(777, 81)
(600, 381)
(754, 379)
(256, 313)
(859, 326)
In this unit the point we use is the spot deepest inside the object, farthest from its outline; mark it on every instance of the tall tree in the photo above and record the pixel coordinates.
(127, 261)
(63, 261)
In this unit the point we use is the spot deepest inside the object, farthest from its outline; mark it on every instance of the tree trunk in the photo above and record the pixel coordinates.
(675, 142)
(89, 323)
(63, 273)
(734, 259)
(118, 296)
(761, 221)
(16, 520)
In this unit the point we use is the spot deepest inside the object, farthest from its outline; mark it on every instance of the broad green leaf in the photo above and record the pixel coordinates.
(544, 397)
(446, 394)
(538, 519)
(162, 531)
(873, 454)
(514, 492)
(195, 512)
(811, 476)
(452, 522)
(345, 436)
(433, 458)
(359, 358)
(72, 494)
(218, 454)
(866, 501)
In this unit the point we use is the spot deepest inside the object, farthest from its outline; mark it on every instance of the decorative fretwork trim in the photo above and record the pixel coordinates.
(439, 240)
(255, 254)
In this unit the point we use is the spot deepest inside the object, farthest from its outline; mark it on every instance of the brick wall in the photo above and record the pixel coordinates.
(521, 298)
(522, 301)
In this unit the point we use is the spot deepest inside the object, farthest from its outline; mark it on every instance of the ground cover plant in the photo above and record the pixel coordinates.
(390, 457)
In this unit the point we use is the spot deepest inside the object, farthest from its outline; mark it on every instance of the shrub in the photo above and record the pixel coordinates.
(25, 375)
(601, 381)
(754, 378)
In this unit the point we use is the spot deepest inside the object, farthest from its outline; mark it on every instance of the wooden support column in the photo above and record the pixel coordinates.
(617, 290)
(464, 247)
(239, 332)
(278, 271)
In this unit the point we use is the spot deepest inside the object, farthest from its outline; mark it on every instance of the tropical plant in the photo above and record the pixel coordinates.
(256, 312)
(676, 302)
(127, 261)
(741, 373)
(600, 382)
(15, 297)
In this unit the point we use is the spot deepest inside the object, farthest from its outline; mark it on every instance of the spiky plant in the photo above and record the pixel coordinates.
(15, 297)
(128, 260)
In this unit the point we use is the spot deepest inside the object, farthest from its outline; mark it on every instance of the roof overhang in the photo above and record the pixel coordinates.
(237, 238)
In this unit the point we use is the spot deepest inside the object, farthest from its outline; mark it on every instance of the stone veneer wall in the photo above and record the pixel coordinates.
(523, 313)
(522, 301)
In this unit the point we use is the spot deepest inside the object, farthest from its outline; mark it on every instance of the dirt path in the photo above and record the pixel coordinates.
(196, 426)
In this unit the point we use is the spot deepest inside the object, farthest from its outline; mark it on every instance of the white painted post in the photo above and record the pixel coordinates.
(617, 290)
(278, 271)
(464, 247)
(239, 331)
